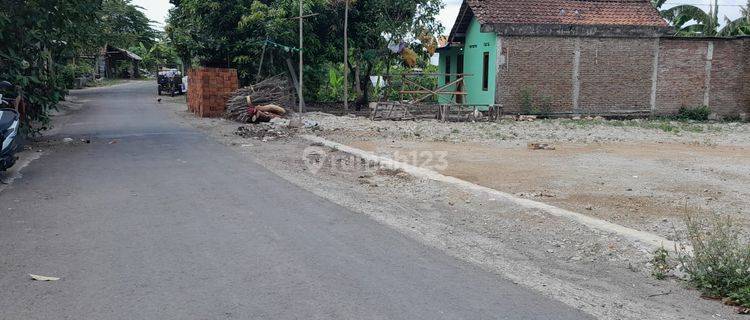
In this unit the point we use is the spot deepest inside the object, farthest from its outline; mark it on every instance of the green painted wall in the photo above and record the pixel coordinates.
(476, 44)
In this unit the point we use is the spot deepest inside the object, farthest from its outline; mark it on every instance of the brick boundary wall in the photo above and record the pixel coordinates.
(209, 89)
(598, 75)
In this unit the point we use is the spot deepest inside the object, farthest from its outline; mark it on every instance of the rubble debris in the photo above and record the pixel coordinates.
(261, 102)
(263, 131)
(540, 146)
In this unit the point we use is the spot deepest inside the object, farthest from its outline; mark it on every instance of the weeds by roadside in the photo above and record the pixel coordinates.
(660, 264)
(719, 263)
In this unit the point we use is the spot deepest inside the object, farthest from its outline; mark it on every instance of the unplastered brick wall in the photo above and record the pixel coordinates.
(607, 75)
(703, 71)
(209, 89)
(681, 75)
(541, 65)
(615, 74)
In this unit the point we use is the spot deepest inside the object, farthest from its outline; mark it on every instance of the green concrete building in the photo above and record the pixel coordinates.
(476, 58)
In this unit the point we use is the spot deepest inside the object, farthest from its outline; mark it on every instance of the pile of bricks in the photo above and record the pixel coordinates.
(209, 89)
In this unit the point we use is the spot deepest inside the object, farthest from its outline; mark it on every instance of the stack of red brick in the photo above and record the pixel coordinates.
(209, 89)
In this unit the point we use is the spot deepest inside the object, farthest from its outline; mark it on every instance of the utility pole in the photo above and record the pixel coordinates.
(262, 56)
(301, 63)
(346, 55)
(301, 45)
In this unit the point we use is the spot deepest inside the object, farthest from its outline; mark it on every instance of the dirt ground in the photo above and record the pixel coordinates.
(645, 186)
(600, 273)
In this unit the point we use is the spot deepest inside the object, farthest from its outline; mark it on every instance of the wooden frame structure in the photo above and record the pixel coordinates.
(413, 94)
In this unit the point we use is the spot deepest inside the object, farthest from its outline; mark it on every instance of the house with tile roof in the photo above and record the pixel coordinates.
(570, 57)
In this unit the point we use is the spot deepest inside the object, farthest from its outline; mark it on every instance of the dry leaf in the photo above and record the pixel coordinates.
(42, 278)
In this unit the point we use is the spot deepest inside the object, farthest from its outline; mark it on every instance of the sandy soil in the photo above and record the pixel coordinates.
(599, 273)
(645, 186)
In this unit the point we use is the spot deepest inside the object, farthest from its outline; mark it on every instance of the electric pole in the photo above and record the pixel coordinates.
(346, 56)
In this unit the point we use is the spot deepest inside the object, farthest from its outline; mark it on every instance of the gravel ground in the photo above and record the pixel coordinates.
(599, 273)
(639, 173)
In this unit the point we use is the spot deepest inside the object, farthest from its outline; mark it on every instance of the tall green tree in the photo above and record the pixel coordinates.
(38, 38)
(124, 25)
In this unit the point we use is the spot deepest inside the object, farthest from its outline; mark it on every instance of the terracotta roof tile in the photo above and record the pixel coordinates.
(570, 12)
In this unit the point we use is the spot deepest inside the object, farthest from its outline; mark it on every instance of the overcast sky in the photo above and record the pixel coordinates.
(157, 9)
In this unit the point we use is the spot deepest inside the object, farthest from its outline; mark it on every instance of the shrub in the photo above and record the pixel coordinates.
(660, 264)
(527, 101)
(697, 114)
(719, 265)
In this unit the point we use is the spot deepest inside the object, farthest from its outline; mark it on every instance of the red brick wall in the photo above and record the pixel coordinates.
(726, 96)
(541, 64)
(209, 89)
(616, 74)
(682, 74)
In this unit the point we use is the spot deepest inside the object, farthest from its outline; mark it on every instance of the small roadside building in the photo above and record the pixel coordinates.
(608, 57)
(114, 62)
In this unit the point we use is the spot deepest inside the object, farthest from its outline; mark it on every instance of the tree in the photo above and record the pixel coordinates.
(232, 34)
(43, 42)
(739, 26)
(124, 25)
(39, 37)
(690, 20)
(376, 23)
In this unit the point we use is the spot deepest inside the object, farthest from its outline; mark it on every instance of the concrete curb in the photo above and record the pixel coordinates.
(648, 241)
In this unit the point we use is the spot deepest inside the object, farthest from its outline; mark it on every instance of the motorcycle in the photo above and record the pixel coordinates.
(9, 122)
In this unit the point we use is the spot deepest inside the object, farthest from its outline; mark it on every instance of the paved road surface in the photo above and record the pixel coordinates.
(168, 224)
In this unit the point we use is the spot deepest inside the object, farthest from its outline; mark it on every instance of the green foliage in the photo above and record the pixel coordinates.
(44, 40)
(696, 114)
(161, 54)
(690, 20)
(534, 104)
(38, 38)
(660, 264)
(527, 100)
(719, 265)
(69, 72)
(232, 34)
(333, 87)
(124, 25)
(741, 296)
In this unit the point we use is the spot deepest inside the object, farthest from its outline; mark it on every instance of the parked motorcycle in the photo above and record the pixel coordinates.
(9, 122)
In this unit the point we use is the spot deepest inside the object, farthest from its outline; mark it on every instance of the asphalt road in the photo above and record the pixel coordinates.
(153, 220)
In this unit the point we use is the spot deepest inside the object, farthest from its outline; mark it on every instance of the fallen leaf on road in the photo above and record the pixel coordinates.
(42, 278)
(113, 142)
